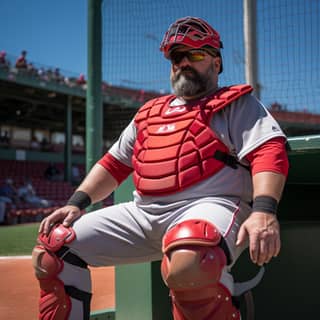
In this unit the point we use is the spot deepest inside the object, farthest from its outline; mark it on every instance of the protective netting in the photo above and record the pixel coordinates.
(288, 45)
(289, 52)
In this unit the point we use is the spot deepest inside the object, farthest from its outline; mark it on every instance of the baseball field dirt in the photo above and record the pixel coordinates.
(19, 289)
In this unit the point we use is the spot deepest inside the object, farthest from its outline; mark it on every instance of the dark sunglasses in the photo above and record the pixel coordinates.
(192, 55)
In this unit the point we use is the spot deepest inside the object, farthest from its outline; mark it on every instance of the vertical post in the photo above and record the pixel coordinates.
(250, 43)
(68, 141)
(94, 111)
(140, 291)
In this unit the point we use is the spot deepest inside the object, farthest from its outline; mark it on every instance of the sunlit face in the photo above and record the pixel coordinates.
(193, 72)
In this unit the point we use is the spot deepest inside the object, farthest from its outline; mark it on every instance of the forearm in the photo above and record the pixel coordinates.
(98, 184)
(268, 184)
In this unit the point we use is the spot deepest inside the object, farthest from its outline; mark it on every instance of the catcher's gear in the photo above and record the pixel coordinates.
(192, 32)
(176, 147)
(48, 261)
(192, 267)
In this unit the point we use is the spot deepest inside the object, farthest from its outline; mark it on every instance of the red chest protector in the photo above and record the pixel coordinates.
(175, 146)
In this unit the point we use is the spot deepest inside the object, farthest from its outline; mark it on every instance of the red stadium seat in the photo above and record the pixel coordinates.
(57, 192)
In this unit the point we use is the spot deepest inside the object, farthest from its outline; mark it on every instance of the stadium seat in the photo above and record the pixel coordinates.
(57, 192)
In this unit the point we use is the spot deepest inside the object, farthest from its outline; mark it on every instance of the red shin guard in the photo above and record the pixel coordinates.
(211, 303)
(54, 303)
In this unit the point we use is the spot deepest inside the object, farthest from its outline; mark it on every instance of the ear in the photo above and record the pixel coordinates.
(217, 63)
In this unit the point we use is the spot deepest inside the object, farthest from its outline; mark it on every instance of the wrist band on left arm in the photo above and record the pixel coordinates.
(79, 199)
(265, 204)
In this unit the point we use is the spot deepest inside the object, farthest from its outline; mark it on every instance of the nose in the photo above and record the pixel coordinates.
(184, 62)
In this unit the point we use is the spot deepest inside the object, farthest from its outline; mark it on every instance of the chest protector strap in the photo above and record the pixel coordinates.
(175, 146)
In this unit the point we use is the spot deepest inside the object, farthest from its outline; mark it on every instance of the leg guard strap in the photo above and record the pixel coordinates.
(64, 254)
(84, 297)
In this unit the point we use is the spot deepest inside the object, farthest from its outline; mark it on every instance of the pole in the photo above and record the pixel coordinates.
(94, 110)
(250, 44)
(68, 140)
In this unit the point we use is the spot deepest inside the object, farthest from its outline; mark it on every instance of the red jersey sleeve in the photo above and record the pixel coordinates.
(270, 156)
(116, 168)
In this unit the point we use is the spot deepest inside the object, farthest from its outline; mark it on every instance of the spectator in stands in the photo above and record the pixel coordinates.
(2, 57)
(8, 197)
(2, 212)
(52, 173)
(21, 62)
(41, 73)
(50, 74)
(81, 80)
(34, 143)
(4, 138)
(75, 173)
(28, 194)
(32, 69)
(45, 145)
(9, 193)
(56, 76)
(4, 63)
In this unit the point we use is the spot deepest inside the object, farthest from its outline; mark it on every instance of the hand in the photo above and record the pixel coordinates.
(65, 215)
(263, 231)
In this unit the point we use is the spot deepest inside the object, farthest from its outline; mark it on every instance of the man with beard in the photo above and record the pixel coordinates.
(209, 166)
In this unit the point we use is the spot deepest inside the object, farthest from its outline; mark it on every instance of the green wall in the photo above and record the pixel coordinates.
(58, 157)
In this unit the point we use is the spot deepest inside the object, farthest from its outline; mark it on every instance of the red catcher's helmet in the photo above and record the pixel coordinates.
(192, 32)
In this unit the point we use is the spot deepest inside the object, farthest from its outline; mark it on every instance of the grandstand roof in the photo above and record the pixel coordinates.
(29, 102)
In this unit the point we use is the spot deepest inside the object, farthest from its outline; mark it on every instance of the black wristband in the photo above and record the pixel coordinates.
(265, 204)
(79, 199)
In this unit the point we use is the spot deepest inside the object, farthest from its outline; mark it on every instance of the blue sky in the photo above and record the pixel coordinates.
(55, 34)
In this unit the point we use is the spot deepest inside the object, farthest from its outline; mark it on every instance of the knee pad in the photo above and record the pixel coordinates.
(48, 261)
(191, 267)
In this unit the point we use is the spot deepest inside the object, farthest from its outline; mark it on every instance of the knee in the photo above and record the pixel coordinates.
(193, 267)
(45, 261)
(192, 256)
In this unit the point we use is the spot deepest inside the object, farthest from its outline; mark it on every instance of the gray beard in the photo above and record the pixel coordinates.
(184, 87)
(189, 85)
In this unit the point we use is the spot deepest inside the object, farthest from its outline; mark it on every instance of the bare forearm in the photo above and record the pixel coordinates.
(98, 184)
(268, 184)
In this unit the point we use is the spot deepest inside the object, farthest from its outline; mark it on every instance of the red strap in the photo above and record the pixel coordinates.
(226, 95)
